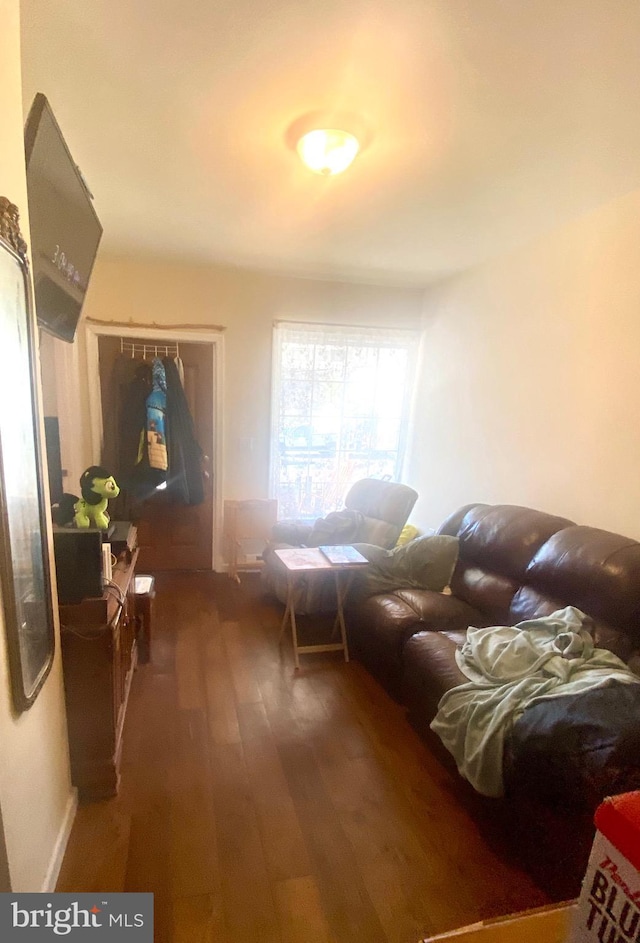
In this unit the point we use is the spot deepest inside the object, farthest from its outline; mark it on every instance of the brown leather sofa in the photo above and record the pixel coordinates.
(516, 563)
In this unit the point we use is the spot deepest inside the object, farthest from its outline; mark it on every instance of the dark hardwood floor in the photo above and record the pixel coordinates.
(263, 805)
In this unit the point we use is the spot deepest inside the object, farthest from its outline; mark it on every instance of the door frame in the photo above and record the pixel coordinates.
(215, 339)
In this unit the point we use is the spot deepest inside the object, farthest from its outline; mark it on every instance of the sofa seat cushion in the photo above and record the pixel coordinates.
(573, 751)
(380, 627)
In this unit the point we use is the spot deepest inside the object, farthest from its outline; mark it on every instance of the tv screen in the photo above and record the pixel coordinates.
(65, 230)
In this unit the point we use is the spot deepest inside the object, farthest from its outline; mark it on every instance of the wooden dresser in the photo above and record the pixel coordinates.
(99, 654)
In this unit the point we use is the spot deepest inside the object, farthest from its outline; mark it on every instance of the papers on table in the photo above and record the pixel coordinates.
(320, 558)
(342, 556)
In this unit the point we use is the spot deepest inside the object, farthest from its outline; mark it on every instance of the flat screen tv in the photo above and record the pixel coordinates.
(65, 229)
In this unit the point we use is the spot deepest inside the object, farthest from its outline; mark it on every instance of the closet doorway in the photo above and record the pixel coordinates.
(171, 536)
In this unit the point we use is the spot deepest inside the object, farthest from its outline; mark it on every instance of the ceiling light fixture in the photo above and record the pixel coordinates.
(328, 151)
(327, 142)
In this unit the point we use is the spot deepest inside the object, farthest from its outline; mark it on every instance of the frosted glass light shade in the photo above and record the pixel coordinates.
(327, 151)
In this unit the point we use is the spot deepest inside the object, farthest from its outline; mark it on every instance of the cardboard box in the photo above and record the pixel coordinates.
(609, 905)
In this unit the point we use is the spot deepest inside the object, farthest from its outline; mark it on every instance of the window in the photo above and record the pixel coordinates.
(340, 409)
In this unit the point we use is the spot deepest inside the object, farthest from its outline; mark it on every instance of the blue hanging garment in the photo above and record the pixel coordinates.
(156, 410)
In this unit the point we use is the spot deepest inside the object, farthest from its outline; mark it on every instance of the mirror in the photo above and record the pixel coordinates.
(24, 564)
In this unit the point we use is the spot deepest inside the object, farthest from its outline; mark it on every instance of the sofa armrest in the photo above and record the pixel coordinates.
(430, 669)
(401, 614)
(380, 627)
(438, 612)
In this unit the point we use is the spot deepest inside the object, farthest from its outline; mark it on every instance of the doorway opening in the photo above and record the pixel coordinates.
(171, 536)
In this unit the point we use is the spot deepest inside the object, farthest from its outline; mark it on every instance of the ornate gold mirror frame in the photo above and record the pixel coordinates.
(24, 555)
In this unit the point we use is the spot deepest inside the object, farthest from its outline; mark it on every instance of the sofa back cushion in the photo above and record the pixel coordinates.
(388, 501)
(516, 564)
(490, 593)
(503, 538)
(497, 543)
(530, 603)
(594, 570)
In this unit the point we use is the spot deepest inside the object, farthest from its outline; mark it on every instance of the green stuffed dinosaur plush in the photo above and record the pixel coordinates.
(97, 486)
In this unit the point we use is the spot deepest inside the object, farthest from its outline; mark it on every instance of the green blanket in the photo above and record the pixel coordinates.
(510, 668)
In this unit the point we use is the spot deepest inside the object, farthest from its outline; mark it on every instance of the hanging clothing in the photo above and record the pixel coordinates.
(131, 465)
(116, 404)
(156, 407)
(136, 478)
(184, 475)
(179, 364)
(149, 435)
(133, 415)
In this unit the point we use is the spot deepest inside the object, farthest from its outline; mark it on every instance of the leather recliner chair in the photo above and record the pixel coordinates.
(375, 512)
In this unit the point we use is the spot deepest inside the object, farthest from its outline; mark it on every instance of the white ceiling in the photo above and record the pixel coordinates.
(492, 121)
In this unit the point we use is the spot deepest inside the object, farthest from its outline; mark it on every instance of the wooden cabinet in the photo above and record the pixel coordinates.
(99, 653)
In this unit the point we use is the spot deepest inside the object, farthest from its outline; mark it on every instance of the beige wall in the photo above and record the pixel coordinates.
(530, 381)
(246, 304)
(35, 793)
(528, 391)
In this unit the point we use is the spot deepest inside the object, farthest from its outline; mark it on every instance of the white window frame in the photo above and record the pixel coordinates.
(352, 336)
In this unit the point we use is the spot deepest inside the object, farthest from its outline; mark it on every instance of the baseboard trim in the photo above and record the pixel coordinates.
(60, 847)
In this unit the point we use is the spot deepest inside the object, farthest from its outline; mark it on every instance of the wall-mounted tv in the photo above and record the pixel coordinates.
(65, 230)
